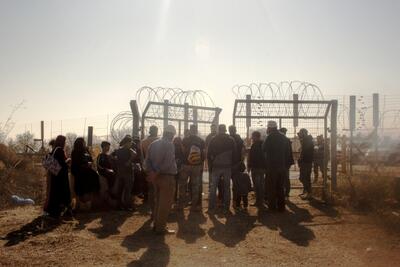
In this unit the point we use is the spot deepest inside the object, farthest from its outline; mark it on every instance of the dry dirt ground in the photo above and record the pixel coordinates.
(307, 234)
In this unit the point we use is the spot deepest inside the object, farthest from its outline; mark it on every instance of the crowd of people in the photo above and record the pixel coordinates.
(168, 172)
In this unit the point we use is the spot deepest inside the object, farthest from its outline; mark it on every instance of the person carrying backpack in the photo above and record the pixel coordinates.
(193, 161)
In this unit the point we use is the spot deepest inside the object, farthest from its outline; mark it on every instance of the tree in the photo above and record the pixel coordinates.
(8, 125)
(71, 137)
(25, 143)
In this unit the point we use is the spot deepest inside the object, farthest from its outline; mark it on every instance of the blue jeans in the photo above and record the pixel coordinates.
(258, 176)
(215, 177)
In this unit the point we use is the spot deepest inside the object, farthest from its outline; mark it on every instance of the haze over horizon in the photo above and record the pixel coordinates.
(75, 59)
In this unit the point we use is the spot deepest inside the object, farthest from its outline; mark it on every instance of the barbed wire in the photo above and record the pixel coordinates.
(121, 124)
(279, 91)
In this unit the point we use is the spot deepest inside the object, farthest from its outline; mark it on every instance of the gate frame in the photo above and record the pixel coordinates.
(165, 118)
(332, 107)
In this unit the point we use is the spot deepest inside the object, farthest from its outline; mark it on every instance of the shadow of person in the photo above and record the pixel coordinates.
(189, 229)
(157, 253)
(289, 224)
(110, 223)
(266, 218)
(83, 218)
(234, 230)
(40, 225)
(324, 208)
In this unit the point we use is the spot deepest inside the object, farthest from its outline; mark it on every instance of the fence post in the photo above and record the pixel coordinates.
(42, 133)
(186, 117)
(135, 118)
(295, 112)
(248, 115)
(325, 161)
(165, 123)
(195, 116)
(376, 123)
(90, 136)
(352, 117)
(334, 144)
(216, 118)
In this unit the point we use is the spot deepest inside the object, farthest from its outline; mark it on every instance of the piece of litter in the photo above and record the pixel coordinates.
(204, 247)
(396, 213)
(368, 250)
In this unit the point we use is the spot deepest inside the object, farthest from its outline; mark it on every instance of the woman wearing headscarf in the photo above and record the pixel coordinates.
(59, 194)
(86, 179)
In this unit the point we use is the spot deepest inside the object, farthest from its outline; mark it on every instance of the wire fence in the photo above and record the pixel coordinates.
(389, 120)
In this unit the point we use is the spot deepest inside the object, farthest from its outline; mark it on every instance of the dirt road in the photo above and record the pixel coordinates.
(308, 234)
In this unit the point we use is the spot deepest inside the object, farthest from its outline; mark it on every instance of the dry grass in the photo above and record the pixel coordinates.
(372, 193)
(19, 177)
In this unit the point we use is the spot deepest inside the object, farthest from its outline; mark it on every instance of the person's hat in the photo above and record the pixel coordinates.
(272, 124)
(125, 140)
(170, 129)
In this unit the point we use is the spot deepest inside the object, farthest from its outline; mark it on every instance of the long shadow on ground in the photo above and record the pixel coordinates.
(40, 225)
(234, 230)
(157, 251)
(189, 228)
(289, 224)
(110, 223)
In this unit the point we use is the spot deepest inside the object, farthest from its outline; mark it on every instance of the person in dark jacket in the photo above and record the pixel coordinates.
(221, 153)
(276, 149)
(86, 179)
(305, 161)
(220, 187)
(256, 165)
(290, 163)
(105, 164)
(238, 165)
(59, 195)
(106, 170)
(125, 179)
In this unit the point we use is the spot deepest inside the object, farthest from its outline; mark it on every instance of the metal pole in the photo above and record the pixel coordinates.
(334, 144)
(295, 112)
(165, 123)
(248, 116)
(135, 118)
(42, 133)
(325, 160)
(195, 116)
(90, 136)
(352, 122)
(186, 117)
(376, 124)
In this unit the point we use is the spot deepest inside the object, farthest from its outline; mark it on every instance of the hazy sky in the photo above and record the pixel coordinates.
(80, 58)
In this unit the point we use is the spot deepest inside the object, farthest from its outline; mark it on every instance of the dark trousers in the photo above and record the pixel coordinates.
(240, 199)
(287, 183)
(305, 176)
(276, 194)
(318, 166)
